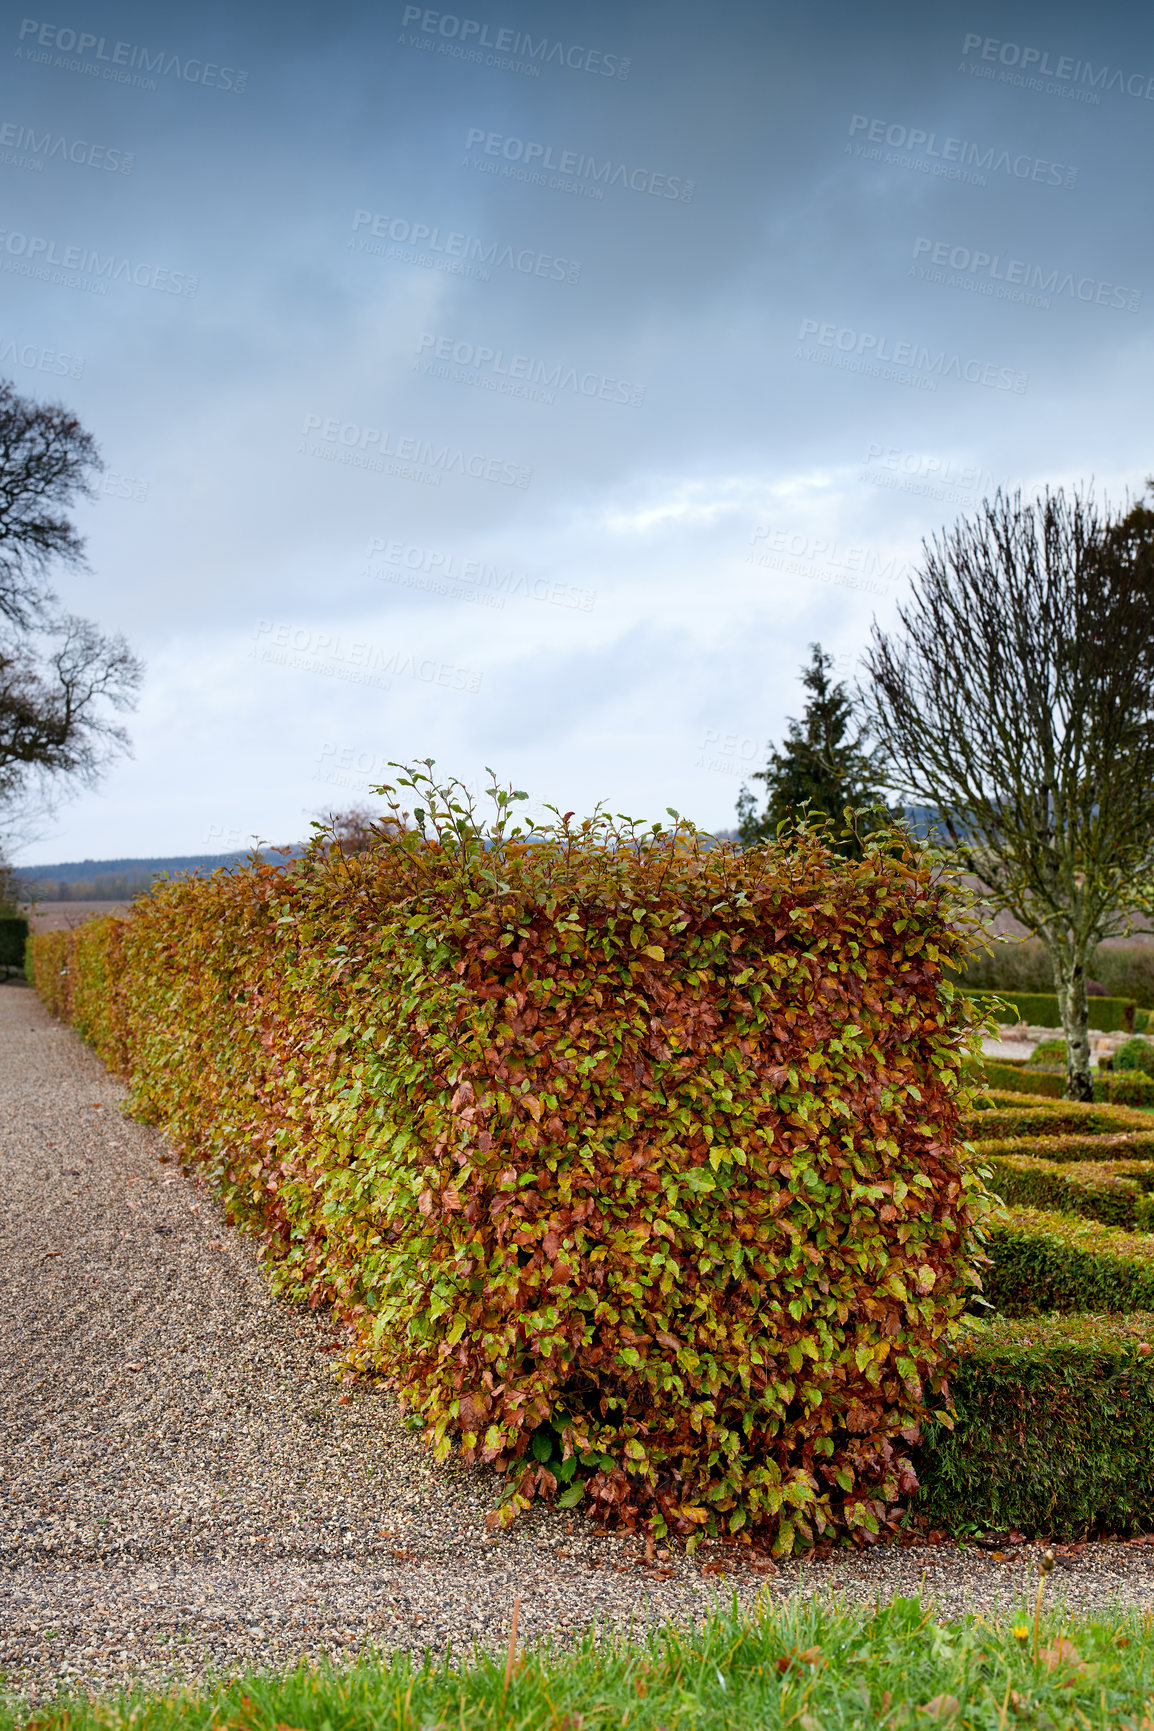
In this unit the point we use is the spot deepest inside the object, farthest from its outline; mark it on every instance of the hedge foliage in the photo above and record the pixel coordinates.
(1057, 1118)
(634, 1161)
(1012, 1079)
(1118, 1192)
(1040, 1010)
(1131, 1088)
(1135, 1054)
(1054, 1430)
(13, 939)
(1128, 1145)
(1048, 1261)
(1124, 970)
(991, 1099)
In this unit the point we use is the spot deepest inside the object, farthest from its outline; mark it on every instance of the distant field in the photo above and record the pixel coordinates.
(59, 916)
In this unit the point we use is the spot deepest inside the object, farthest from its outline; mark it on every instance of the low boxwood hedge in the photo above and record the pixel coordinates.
(1054, 1429)
(1014, 1117)
(1047, 1261)
(1118, 1193)
(1129, 1145)
(1015, 1079)
(990, 1098)
(1131, 1088)
(1040, 1010)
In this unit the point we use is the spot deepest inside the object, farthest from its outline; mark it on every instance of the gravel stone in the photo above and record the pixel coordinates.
(186, 1487)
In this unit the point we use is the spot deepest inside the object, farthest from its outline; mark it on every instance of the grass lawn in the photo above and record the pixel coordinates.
(809, 1665)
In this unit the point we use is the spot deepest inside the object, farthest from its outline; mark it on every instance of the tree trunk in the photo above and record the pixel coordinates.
(1070, 980)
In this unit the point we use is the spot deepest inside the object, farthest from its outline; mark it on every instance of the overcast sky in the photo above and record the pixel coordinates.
(529, 386)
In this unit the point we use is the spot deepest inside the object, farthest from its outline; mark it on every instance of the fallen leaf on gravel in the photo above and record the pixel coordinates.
(713, 1569)
(656, 1574)
(403, 1555)
(763, 1565)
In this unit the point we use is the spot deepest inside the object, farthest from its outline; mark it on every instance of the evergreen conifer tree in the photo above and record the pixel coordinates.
(822, 768)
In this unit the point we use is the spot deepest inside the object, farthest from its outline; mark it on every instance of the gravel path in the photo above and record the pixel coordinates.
(184, 1486)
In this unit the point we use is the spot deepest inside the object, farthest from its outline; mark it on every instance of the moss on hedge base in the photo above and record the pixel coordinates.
(1042, 1261)
(1117, 1193)
(1054, 1431)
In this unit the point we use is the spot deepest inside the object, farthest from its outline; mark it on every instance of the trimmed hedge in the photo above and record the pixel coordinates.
(1126, 1145)
(1053, 1433)
(993, 1099)
(1128, 1089)
(1115, 1192)
(13, 940)
(1131, 1088)
(1054, 1118)
(1048, 1261)
(1009, 1079)
(633, 1160)
(1040, 1010)
(1136, 1054)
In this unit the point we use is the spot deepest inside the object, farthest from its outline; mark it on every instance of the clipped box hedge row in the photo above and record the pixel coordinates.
(1122, 1089)
(1012, 1117)
(1012, 1079)
(1054, 1429)
(1045, 1261)
(1118, 1193)
(1125, 1089)
(1126, 1145)
(1040, 1010)
(634, 1162)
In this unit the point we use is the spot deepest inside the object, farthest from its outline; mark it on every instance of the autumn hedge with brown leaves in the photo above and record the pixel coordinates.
(633, 1161)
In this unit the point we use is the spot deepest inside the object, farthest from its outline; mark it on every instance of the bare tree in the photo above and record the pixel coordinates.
(356, 830)
(61, 679)
(47, 460)
(1017, 702)
(54, 706)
